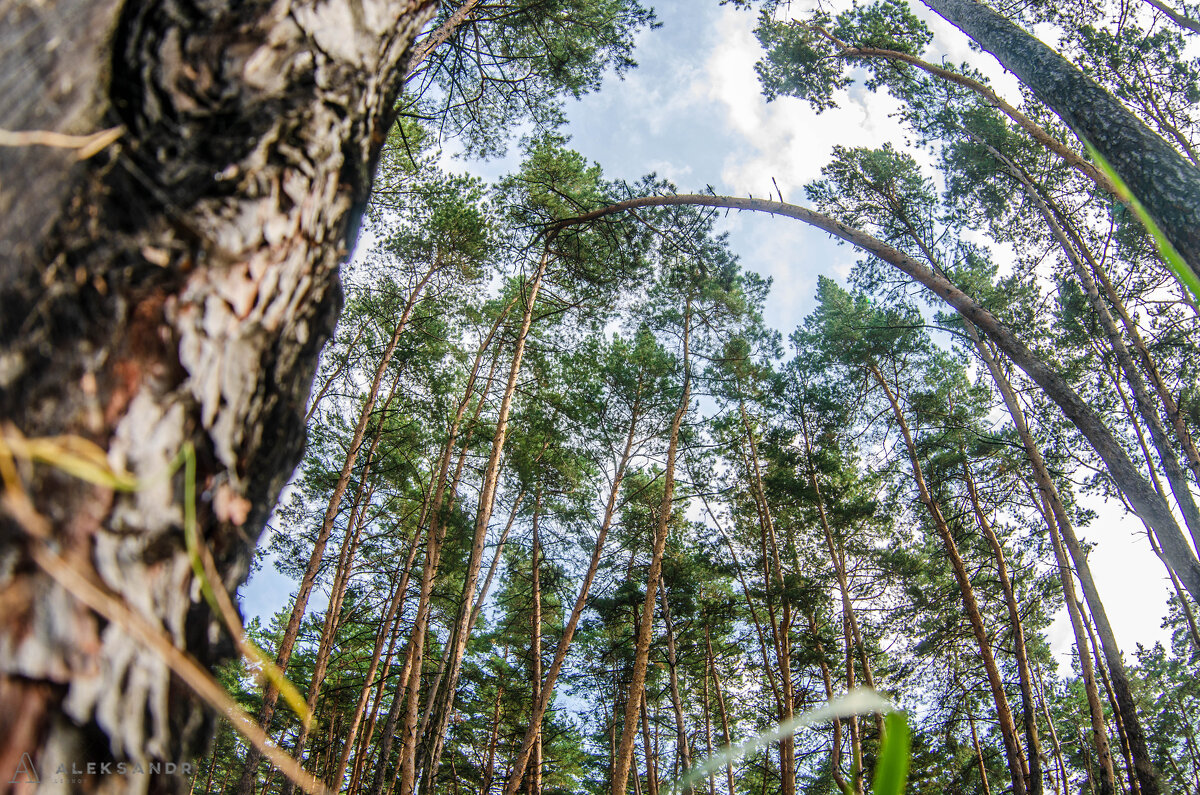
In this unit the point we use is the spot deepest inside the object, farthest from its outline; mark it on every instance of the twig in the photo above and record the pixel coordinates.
(114, 609)
(87, 145)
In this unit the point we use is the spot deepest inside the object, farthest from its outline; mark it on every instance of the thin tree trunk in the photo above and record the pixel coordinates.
(535, 652)
(1179, 19)
(781, 629)
(1035, 130)
(1074, 253)
(987, 788)
(1170, 406)
(360, 761)
(546, 692)
(708, 741)
(489, 768)
(646, 625)
(1058, 757)
(1003, 712)
(394, 603)
(716, 677)
(683, 754)
(487, 495)
(837, 559)
(835, 755)
(1029, 714)
(648, 746)
(315, 402)
(1122, 735)
(300, 606)
(437, 698)
(388, 736)
(1055, 515)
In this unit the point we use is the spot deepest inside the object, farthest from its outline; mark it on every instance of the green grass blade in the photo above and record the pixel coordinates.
(1166, 250)
(891, 771)
(856, 702)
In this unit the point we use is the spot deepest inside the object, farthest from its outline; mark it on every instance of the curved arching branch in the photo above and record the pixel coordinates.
(1146, 502)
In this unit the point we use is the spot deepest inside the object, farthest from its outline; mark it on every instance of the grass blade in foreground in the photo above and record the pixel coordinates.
(1166, 250)
(856, 702)
(891, 771)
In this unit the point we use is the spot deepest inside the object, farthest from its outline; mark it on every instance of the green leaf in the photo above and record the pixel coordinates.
(891, 771)
(1165, 249)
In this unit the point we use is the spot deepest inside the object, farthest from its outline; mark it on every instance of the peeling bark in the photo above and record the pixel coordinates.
(175, 287)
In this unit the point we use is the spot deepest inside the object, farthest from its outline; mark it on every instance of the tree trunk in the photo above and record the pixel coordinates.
(387, 737)
(1122, 735)
(1161, 178)
(1058, 757)
(716, 677)
(385, 628)
(546, 692)
(835, 754)
(1028, 711)
(646, 625)
(648, 749)
(487, 495)
(149, 304)
(683, 754)
(781, 629)
(1055, 515)
(987, 788)
(534, 771)
(1003, 712)
(1075, 252)
(300, 606)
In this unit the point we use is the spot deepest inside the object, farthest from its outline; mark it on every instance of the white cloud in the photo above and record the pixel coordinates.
(786, 140)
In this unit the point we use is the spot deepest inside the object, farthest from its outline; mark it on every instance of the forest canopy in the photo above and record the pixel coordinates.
(576, 509)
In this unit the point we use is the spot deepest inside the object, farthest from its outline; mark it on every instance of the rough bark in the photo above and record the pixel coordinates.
(1163, 179)
(177, 286)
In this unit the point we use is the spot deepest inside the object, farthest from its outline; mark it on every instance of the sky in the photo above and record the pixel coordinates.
(693, 113)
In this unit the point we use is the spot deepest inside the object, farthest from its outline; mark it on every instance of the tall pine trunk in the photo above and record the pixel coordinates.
(408, 770)
(1004, 716)
(646, 624)
(546, 689)
(300, 605)
(1033, 744)
(1054, 517)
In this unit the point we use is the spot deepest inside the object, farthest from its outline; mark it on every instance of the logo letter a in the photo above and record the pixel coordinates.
(26, 769)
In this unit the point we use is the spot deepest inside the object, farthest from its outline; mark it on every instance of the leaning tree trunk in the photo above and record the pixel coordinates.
(1166, 183)
(175, 286)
